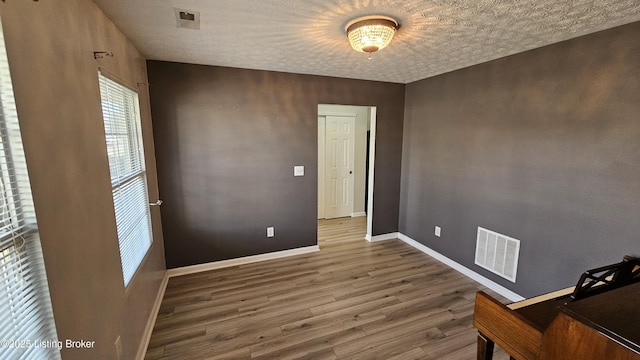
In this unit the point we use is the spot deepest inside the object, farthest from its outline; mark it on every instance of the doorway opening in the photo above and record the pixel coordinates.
(346, 150)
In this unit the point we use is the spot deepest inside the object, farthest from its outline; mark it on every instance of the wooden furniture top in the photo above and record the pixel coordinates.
(609, 319)
(615, 314)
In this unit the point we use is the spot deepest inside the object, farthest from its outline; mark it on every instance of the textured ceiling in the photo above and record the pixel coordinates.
(307, 36)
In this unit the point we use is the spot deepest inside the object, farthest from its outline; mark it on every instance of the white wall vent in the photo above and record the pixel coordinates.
(497, 253)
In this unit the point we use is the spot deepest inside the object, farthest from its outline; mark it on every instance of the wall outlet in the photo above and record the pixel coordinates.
(298, 170)
(270, 232)
(118, 348)
(437, 232)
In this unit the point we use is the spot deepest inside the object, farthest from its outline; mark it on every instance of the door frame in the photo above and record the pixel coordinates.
(322, 125)
(371, 154)
(372, 157)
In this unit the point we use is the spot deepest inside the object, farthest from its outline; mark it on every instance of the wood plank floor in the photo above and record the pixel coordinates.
(351, 300)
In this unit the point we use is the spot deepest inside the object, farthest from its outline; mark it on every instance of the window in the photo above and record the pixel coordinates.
(27, 329)
(121, 114)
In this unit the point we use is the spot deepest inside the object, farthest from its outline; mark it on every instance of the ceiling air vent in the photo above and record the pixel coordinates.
(497, 253)
(187, 19)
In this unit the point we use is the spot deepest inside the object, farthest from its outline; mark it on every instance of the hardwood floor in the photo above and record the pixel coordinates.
(351, 300)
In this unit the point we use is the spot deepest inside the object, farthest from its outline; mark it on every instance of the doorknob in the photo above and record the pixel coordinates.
(350, 172)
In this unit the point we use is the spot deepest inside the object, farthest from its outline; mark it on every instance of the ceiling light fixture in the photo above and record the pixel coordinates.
(371, 33)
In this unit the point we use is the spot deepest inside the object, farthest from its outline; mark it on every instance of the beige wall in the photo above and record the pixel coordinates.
(50, 47)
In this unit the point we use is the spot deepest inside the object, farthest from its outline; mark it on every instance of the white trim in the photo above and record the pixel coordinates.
(372, 162)
(322, 120)
(462, 269)
(335, 113)
(384, 237)
(193, 269)
(359, 214)
(148, 330)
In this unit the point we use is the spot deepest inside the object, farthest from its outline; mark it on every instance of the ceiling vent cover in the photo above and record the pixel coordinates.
(187, 19)
(497, 253)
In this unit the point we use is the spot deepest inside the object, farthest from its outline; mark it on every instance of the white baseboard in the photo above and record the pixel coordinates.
(193, 269)
(383, 237)
(146, 336)
(359, 214)
(462, 269)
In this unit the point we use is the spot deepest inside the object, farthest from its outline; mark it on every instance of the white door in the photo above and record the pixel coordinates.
(340, 137)
(321, 167)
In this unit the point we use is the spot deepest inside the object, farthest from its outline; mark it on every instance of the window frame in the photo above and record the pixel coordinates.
(136, 156)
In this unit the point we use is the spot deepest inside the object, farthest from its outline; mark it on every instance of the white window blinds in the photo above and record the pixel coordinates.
(121, 114)
(27, 329)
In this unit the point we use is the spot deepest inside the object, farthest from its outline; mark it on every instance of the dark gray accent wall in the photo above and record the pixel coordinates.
(542, 146)
(226, 143)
